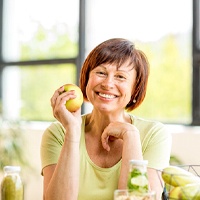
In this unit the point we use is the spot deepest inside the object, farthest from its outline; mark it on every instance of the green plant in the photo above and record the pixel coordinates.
(174, 160)
(11, 144)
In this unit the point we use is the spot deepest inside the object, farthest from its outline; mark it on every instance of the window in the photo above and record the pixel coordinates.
(39, 54)
(45, 41)
(38, 30)
(164, 33)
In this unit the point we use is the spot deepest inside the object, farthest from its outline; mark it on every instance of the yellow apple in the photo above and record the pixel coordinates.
(74, 104)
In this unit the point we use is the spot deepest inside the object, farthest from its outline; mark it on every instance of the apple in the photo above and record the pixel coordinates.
(74, 104)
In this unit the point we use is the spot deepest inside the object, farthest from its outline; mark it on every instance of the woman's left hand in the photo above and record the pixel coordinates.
(117, 130)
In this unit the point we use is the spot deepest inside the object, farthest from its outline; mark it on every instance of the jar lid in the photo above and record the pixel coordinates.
(12, 169)
(139, 162)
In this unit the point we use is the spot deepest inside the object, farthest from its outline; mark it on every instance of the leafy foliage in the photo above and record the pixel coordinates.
(52, 43)
(38, 83)
(168, 97)
(11, 144)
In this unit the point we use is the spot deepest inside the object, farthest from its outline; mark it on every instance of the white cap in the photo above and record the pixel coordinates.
(12, 169)
(139, 162)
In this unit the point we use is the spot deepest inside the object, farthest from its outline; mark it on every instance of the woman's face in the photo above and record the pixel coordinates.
(110, 89)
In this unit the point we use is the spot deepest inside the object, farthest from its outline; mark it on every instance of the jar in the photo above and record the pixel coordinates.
(137, 178)
(11, 185)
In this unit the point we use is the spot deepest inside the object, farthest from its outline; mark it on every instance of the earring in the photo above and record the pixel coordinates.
(134, 100)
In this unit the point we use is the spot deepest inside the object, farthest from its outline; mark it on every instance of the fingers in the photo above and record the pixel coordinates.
(117, 130)
(60, 97)
(56, 95)
(104, 141)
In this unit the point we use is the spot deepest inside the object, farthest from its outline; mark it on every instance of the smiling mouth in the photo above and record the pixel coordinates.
(107, 96)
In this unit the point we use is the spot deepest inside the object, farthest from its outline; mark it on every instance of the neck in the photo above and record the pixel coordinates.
(97, 121)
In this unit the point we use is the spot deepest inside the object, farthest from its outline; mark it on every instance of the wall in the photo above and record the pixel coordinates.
(32, 178)
(186, 146)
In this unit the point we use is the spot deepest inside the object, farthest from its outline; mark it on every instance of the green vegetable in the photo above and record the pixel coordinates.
(11, 188)
(138, 181)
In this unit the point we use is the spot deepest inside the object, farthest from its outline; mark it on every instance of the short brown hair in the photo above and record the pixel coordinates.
(118, 51)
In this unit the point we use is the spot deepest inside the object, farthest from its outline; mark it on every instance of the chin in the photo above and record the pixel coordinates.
(106, 110)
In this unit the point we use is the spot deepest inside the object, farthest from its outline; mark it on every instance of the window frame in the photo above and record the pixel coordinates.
(196, 64)
(77, 61)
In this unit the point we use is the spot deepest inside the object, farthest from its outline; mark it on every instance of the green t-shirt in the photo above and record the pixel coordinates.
(98, 183)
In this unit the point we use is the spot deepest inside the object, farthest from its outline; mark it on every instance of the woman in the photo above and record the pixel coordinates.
(87, 157)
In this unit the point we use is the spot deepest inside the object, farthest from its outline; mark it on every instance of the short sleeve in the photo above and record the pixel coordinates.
(157, 146)
(51, 144)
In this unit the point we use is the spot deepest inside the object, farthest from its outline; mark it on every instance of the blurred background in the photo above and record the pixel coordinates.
(44, 43)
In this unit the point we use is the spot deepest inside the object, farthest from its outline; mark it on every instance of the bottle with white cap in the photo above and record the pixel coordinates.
(11, 185)
(137, 178)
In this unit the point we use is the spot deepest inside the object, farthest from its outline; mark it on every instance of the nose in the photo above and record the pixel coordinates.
(108, 82)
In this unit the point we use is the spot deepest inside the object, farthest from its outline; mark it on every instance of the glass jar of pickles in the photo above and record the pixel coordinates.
(137, 178)
(11, 185)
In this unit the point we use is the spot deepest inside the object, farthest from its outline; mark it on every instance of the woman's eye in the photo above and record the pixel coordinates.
(101, 73)
(121, 77)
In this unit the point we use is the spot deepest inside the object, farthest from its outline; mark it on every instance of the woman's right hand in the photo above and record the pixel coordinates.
(69, 120)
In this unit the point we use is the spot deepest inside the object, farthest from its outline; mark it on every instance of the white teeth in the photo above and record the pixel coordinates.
(108, 96)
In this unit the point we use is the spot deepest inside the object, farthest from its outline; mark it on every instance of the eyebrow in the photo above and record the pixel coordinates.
(102, 66)
(118, 69)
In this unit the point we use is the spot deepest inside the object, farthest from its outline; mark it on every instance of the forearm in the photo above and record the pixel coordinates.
(131, 150)
(64, 183)
(156, 182)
